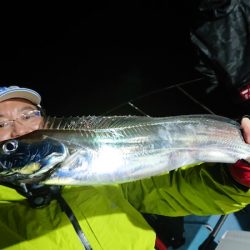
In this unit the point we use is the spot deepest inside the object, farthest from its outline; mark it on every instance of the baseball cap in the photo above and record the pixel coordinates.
(17, 92)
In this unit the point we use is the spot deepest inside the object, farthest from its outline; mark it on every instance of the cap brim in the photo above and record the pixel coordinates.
(27, 94)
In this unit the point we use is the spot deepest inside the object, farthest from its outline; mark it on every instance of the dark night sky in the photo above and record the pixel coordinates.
(88, 60)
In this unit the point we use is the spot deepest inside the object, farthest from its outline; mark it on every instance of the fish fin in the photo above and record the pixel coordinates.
(96, 122)
(109, 122)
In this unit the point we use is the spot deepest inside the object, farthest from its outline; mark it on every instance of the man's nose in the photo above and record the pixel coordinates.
(19, 129)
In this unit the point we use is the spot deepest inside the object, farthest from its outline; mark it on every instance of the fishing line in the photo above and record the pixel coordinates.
(137, 109)
(194, 99)
(151, 93)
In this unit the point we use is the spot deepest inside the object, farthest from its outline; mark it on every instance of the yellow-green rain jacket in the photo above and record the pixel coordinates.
(110, 215)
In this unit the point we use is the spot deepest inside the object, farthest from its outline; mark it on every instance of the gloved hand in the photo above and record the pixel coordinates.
(245, 125)
(240, 171)
(38, 195)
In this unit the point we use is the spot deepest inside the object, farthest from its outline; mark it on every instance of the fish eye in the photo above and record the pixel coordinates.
(10, 146)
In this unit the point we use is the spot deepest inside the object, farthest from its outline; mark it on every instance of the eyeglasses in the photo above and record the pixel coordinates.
(26, 118)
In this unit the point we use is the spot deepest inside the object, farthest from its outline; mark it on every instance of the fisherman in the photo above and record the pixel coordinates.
(106, 217)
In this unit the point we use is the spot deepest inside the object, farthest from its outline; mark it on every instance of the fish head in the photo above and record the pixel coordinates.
(26, 160)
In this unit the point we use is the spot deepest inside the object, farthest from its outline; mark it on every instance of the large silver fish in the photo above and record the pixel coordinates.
(104, 150)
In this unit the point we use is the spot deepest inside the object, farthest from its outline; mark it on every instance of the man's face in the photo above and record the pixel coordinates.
(18, 117)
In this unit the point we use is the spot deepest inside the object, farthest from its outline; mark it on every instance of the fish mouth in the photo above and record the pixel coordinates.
(35, 172)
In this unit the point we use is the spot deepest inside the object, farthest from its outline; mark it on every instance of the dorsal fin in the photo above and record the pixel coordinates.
(109, 122)
(94, 122)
